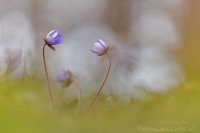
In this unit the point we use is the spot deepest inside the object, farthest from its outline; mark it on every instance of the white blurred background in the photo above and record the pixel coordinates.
(142, 35)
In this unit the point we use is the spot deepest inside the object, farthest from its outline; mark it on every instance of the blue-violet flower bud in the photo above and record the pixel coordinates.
(65, 78)
(54, 37)
(99, 47)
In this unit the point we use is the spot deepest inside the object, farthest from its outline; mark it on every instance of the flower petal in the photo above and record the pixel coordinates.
(50, 40)
(58, 40)
(54, 33)
(102, 43)
(99, 47)
(54, 37)
(97, 50)
(63, 79)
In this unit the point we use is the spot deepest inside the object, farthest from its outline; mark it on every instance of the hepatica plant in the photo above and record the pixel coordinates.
(100, 48)
(53, 38)
(65, 79)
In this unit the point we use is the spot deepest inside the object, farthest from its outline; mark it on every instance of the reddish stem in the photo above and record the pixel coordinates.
(47, 77)
(98, 92)
(80, 95)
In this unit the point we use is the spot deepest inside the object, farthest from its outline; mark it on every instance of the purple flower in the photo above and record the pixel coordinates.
(54, 37)
(99, 47)
(13, 58)
(64, 79)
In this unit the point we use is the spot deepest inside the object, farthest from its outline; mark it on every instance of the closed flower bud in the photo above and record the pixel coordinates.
(65, 78)
(53, 38)
(99, 48)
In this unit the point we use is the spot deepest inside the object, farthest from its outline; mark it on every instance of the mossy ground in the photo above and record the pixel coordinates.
(25, 108)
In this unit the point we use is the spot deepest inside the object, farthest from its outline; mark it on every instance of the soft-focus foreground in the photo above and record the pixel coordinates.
(154, 80)
(24, 109)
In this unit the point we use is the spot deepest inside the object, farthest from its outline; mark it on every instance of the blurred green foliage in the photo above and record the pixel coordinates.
(25, 108)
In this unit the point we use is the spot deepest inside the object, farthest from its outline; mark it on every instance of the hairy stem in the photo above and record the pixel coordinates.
(80, 95)
(47, 78)
(98, 92)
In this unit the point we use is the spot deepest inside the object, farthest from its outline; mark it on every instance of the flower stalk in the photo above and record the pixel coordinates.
(100, 48)
(47, 77)
(101, 87)
(80, 95)
(52, 38)
(65, 79)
